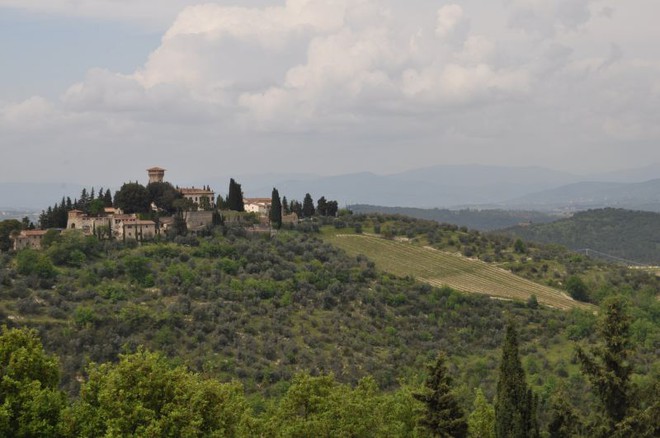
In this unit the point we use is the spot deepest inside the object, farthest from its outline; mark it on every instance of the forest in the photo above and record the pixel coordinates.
(285, 324)
(633, 236)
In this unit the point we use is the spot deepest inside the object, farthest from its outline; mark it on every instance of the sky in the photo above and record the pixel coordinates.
(96, 91)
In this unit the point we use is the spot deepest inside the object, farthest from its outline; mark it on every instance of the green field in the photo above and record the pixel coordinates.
(440, 268)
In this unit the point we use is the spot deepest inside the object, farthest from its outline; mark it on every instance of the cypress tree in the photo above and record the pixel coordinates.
(276, 210)
(285, 206)
(235, 196)
(444, 416)
(564, 422)
(481, 422)
(607, 365)
(308, 206)
(515, 406)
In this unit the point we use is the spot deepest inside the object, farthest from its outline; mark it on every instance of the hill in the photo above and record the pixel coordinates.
(441, 268)
(592, 195)
(629, 235)
(260, 309)
(483, 220)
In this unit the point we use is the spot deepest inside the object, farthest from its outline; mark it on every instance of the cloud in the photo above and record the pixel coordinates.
(547, 17)
(424, 81)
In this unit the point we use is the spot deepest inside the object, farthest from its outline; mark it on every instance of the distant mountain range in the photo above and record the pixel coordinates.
(587, 195)
(443, 186)
(474, 186)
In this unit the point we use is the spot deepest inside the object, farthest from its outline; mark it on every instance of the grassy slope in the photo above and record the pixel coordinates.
(440, 268)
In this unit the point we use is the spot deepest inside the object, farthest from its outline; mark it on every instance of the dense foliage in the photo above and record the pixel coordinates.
(482, 219)
(262, 310)
(631, 235)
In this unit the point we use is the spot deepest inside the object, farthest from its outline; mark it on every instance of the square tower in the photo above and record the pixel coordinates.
(156, 175)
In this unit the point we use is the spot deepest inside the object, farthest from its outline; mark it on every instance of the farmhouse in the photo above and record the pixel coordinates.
(261, 206)
(29, 239)
(115, 225)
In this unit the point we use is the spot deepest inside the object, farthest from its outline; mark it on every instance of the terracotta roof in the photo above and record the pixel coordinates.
(156, 169)
(33, 232)
(257, 200)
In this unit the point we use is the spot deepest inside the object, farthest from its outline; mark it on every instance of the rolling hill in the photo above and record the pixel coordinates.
(629, 235)
(441, 268)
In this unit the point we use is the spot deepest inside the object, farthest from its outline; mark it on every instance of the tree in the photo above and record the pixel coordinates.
(296, 208)
(163, 195)
(607, 365)
(30, 401)
(577, 289)
(285, 206)
(444, 416)
(220, 203)
(7, 229)
(564, 422)
(308, 206)
(515, 413)
(132, 198)
(519, 246)
(107, 199)
(321, 206)
(276, 210)
(143, 395)
(27, 223)
(235, 196)
(481, 422)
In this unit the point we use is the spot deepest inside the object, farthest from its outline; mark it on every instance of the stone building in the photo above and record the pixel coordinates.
(116, 225)
(29, 239)
(261, 206)
(203, 198)
(156, 175)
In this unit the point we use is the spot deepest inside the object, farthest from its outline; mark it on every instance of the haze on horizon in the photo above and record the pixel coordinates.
(96, 91)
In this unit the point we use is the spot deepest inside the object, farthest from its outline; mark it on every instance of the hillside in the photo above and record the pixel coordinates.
(440, 268)
(233, 305)
(629, 235)
(483, 220)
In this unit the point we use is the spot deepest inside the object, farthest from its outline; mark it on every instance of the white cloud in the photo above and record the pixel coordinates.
(450, 20)
(34, 109)
(313, 72)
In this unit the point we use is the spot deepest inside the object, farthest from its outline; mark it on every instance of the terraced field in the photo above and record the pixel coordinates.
(440, 268)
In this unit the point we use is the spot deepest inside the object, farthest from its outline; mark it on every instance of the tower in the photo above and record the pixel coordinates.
(156, 175)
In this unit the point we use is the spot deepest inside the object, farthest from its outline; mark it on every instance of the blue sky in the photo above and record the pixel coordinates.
(324, 86)
(44, 54)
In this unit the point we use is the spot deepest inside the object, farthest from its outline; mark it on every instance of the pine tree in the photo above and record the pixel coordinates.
(515, 413)
(444, 416)
(276, 210)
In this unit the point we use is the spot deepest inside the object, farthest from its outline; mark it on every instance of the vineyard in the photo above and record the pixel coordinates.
(440, 268)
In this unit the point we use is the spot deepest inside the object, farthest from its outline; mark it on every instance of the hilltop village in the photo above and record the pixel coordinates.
(160, 209)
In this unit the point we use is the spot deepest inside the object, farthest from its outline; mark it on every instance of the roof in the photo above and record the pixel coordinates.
(257, 200)
(30, 233)
(156, 169)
